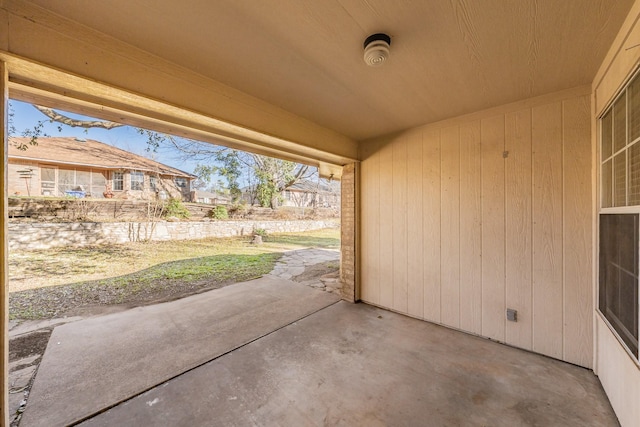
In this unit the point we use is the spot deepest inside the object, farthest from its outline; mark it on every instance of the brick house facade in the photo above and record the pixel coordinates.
(59, 167)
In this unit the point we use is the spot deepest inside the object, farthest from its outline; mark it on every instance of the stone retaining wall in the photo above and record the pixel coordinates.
(99, 210)
(29, 236)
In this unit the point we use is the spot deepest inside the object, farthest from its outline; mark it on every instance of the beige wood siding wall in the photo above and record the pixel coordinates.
(18, 185)
(618, 373)
(466, 218)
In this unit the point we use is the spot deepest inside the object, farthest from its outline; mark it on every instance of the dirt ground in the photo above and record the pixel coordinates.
(29, 345)
(35, 343)
(317, 270)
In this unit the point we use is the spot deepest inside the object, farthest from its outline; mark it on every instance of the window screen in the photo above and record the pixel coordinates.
(620, 179)
(98, 184)
(607, 180)
(48, 181)
(618, 288)
(607, 135)
(66, 180)
(620, 123)
(633, 99)
(83, 181)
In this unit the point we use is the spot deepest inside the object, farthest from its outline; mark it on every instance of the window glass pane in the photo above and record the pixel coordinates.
(83, 180)
(48, 174)
(607, 134)
(118, 181)
(66, 176)
(153, 182)
(47, 181)
(137, 180)
(634, 174)
(98, 184)
(618, 281)
(97, 178)
(620, 123)
(66, 180)
(633, 93)
(620, 179)
(607, 193)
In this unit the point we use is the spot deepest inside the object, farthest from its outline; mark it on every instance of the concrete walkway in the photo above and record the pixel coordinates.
(92, 364)
(293, 263)
(22, 370)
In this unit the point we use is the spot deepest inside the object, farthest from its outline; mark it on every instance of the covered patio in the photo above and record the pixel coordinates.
(477, 165)
(275, 352)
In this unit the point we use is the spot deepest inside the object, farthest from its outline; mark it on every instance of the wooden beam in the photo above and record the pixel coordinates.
(60, 90)
(99, 69)
(4, 251)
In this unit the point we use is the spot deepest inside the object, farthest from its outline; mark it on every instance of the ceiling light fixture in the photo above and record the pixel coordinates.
(376, 49)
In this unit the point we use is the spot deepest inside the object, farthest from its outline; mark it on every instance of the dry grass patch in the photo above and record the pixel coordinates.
(64, 281)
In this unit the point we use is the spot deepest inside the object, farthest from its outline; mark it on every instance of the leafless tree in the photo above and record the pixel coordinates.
(268, 178)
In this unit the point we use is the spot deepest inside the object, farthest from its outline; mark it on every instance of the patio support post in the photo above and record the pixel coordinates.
(4, 249)
(349, 219)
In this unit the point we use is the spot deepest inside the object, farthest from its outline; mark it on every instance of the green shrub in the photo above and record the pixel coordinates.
(238, 210)
(219, 212)
(175, 208)
(260, 232)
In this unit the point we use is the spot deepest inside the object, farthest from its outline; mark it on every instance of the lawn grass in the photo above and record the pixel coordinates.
(327, 238)
(54, 282)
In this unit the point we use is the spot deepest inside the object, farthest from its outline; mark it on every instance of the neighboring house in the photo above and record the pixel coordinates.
(77, 167)
(201, 196)
(312, 194)
(302, 194)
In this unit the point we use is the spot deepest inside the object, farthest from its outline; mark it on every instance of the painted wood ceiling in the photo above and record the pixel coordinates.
(448, 57)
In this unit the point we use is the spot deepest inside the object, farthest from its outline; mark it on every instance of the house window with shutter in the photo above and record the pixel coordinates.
(619, 216)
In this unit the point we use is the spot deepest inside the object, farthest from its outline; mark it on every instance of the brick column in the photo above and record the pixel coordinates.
(349, 233)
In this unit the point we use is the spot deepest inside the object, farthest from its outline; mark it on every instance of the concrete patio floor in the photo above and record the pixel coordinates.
(359, 365)
(344, 364)
(94, 363)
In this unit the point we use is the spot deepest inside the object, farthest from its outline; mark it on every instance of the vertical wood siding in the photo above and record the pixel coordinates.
(463, 220)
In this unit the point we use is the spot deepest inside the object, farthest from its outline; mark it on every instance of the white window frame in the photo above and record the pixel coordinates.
(113, 180)
(55, 179)
(140, 181)
(615, 209)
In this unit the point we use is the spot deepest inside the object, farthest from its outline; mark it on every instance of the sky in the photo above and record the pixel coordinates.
(25, 116)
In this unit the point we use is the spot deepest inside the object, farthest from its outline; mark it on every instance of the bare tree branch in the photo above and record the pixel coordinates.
(271, 176)
(87, 124)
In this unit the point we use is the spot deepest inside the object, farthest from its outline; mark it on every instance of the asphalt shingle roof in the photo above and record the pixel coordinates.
(89, 153)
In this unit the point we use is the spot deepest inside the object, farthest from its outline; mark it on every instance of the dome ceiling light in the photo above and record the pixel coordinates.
(376, 49)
